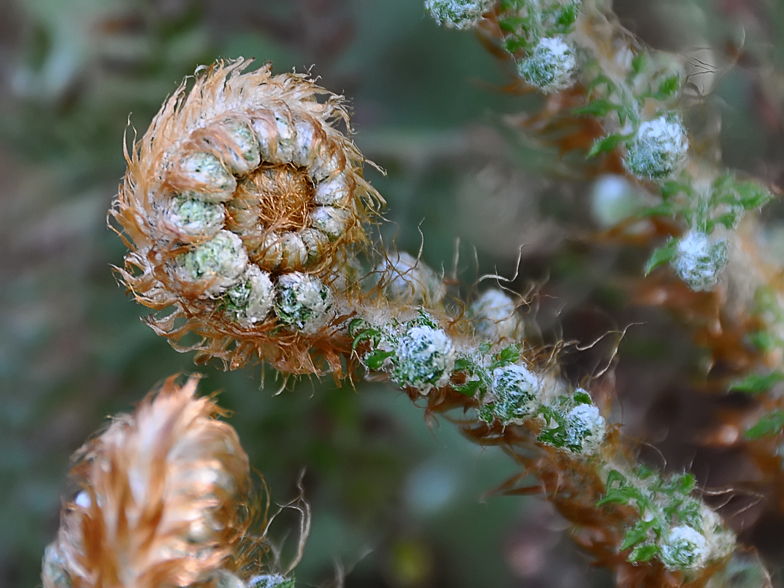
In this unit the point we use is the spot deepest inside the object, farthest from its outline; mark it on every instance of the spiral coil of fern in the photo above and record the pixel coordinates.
(242, 199)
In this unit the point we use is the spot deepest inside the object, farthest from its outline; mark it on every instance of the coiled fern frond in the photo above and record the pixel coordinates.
(240, 206)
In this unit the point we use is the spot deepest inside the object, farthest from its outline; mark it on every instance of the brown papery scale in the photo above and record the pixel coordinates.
(241, 206)
(161, 500)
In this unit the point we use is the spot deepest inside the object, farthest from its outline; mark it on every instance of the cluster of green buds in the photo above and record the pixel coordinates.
(536, 34)
(420, 354)
(416, 354)
(674, 526)
(640, 103)
(247, 293)
(656, 149)
(698, 257)
(637, 95)
(511, 391)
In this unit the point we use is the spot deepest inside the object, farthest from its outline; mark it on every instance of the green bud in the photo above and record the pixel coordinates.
(550, 66)
(699, 261)
(218, 262)
(659, 149)
(458, 14)
(304, 302)
(424, 358)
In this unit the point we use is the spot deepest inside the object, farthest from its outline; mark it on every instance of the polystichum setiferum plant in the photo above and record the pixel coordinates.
(246, 213)
(222, 196)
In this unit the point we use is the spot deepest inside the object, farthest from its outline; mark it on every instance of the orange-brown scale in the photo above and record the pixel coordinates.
(210, 336)
(282, 195)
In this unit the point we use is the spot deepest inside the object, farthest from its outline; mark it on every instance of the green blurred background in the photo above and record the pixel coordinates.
(397, 501)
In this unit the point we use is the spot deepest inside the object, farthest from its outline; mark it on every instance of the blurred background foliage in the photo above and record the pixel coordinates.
(398, 501)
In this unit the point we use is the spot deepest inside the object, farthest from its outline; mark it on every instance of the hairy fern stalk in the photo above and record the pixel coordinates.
(247, 218)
